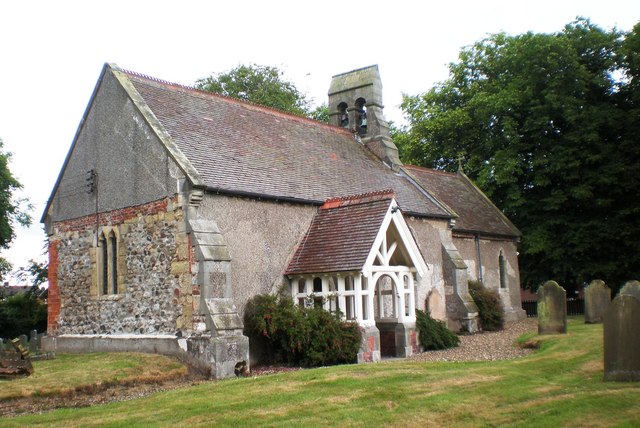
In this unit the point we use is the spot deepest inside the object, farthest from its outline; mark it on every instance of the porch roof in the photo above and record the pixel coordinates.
(341, 234)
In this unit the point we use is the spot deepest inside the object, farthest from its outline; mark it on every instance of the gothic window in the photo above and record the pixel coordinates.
(503, 277)
(103, 270)
(113, 263)
(107, 262)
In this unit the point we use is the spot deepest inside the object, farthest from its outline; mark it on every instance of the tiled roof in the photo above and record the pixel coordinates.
(341, 234)
(476, 212)
(242, 148)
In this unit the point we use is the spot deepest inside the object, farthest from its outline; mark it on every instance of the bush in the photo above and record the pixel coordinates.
(489, 306)
(434, 334)
(291, 334)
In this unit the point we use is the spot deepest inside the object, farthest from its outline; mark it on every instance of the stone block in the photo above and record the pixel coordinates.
(597, 297)
(622, 339)
(212, 252)
(552, 308)
(179, 267)
(218, 356)
(222, 315)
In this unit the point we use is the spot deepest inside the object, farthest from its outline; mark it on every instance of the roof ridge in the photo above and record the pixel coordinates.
(435, 171)
(362, 198)
(233, 99)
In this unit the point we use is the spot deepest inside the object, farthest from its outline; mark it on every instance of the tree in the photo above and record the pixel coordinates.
(547, 126)
(264, 85)
(21, 313)
(12, 211)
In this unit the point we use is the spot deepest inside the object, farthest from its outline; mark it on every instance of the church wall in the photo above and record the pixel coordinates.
(155, 286)
(489, 253)
(115, 141)
(261, 236)
(432, 286)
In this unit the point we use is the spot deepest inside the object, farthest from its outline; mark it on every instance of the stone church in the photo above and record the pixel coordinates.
(174, 207)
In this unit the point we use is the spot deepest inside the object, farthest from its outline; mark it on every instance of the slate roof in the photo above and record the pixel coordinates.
(341, 234)
(242, 148)
(476, 213)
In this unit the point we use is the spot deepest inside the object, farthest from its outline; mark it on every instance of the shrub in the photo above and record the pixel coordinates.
(433, 333)
(489, 306)
(292, 334)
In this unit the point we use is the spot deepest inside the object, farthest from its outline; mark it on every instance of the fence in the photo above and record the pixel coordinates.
(574, 307)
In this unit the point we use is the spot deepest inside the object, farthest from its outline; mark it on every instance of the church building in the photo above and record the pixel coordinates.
(175, 207)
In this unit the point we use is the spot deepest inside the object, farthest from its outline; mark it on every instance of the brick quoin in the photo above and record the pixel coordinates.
(115, 216)
(53, 299)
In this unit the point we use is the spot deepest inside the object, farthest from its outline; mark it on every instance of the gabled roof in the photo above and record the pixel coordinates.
(241, 148)
(342, 234)
(476, 213)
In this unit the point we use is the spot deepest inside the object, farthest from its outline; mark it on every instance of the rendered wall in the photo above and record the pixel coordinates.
(261, 236)
(489, 254)
(432, 286)
(114, 140)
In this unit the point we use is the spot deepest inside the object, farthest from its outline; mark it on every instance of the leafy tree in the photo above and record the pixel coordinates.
(547, 126)
(12, 211)
(21, 313)
(264, 85)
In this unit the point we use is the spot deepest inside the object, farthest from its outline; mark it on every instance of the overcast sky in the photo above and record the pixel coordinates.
(51, 54)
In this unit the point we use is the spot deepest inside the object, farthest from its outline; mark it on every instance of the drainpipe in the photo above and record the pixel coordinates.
(479, 255)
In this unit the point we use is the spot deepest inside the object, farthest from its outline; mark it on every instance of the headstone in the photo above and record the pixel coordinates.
(631, 288)
(1, 347)
(622, 339)
(24, 341)
(552, 308)
(597, 297)
(33, 342)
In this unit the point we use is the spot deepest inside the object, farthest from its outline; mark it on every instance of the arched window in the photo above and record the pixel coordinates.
(361, 116)
(503, 276)
(103, 267)
(343, 115)
(107, 262)
(113, 263)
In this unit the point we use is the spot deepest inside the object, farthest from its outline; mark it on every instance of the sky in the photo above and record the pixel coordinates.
(52, 52)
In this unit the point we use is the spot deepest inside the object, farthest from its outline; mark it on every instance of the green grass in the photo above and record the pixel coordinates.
(66, 373)
(561, 384)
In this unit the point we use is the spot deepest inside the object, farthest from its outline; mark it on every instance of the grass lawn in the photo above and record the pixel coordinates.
(70, 372)
(561, 384)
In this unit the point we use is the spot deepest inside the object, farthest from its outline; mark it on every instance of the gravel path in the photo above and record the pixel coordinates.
(487, 346)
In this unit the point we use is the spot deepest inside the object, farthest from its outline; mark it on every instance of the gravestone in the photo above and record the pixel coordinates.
(597, 297)
(622, 339)
(33, 342)
(631, 288)
(24, 341)
(1, 347)
(552, 308)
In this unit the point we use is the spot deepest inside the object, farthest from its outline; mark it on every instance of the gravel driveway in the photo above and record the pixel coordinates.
(487, 346)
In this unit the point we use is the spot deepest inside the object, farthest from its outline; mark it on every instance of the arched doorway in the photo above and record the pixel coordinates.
(394, 309)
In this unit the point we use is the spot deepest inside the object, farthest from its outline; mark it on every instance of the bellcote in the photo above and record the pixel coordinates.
(355, 102)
